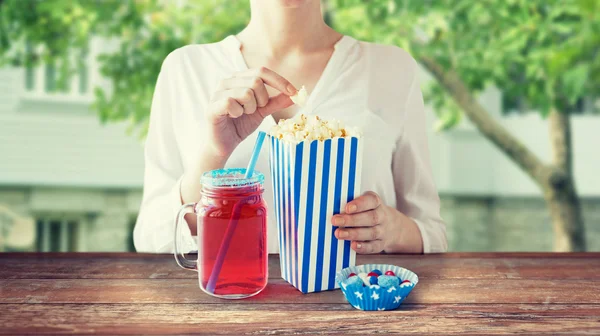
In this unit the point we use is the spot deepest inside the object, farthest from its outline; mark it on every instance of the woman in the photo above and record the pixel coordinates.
(211, 99)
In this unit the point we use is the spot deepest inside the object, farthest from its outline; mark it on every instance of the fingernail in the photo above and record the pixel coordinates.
(343, 234)
(291, 89)
(351, 208)
(358, 246)
(339, 221)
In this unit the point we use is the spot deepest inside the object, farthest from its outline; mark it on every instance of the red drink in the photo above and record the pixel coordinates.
(239, 202)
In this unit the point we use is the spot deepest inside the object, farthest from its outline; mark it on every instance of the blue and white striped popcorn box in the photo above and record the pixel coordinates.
(312, 181)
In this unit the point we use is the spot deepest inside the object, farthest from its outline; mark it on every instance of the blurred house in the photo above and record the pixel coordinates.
(492, 205)
(81, 181)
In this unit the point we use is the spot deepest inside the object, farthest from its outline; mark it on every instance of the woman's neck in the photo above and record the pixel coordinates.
(284, 30)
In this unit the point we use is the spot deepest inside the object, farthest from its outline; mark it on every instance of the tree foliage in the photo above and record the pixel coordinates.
(543, 52)
(141, 32)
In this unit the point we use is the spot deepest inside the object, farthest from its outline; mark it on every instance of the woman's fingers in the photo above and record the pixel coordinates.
(245, 93)
(239, 101)
(360, 233)
(270, 78)
(366, 218)
(247, 99)
(375, 246)
(229, 106)
(367, 201)
(275, 104)
(253, 82)
(260, 91)
(244, 97)
(363, 223)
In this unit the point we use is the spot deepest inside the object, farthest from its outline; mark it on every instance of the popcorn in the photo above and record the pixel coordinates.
(302, 128)
(300, 97)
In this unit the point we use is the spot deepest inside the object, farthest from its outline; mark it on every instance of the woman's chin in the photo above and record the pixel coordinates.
(291, 3)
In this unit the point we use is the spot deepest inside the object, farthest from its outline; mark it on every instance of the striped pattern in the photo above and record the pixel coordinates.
(311, 182)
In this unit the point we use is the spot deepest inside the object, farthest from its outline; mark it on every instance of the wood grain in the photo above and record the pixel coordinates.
(286, 319)
(279, 291)
(462, 266)
(458, 293)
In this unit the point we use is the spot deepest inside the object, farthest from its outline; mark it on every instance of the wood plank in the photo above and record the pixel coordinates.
(95, 268)
(466, 293)
(448, 255)
(221, 319)
(278, 291)
(147, 266)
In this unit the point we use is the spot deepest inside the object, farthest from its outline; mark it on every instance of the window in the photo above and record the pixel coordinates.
(82, 71)
(42, 80)
(50, 78)
(29, 72)
(57, 235)
(518, 105)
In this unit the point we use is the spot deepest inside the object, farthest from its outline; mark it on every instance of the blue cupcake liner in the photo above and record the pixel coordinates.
(375, 297)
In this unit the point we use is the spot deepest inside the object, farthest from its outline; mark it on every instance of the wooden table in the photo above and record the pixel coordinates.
(458, 293)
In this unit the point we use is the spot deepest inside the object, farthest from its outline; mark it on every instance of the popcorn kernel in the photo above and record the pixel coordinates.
(302, 127)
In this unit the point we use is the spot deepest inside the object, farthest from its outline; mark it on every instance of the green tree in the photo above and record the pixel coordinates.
(543, 53)
(144, 32)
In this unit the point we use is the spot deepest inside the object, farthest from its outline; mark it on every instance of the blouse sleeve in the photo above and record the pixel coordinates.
(416, 192)
(154, 229)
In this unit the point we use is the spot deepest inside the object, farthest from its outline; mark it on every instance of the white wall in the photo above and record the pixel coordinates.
(58, 141)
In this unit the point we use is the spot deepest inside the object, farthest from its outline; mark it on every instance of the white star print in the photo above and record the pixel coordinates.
(357, 307)
(380, 308)
(397, 299)
(374, 286)
(358, 294)
(391, 289)
(375, 296)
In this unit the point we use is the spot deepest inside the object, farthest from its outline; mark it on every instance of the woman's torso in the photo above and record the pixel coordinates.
(347, 90)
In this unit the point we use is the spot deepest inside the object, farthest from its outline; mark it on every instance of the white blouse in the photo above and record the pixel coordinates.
(374, 87)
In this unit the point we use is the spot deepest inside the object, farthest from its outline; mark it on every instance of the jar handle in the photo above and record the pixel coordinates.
(182, 261)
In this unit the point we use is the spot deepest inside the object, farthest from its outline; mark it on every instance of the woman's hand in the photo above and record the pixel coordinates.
(374, 227)
(241, 103)
(237, 108)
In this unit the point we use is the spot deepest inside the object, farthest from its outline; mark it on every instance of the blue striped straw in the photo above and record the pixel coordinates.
(235, 216)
